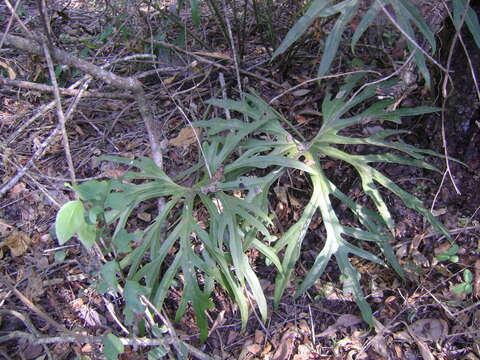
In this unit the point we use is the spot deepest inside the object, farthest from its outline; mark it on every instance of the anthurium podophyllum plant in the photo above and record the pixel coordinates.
(178, 249)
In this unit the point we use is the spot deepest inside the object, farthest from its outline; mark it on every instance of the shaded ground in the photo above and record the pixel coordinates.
(419, 318)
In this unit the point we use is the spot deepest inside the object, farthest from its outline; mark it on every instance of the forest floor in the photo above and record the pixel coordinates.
(41, 293)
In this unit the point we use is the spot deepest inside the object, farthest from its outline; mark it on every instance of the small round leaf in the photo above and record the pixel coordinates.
(69, 220)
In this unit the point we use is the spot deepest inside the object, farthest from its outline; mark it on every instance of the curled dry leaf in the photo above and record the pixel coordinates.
(10, 71)
(215, 55)
(34, 286)
(186, 137)
(285, 349)
(254, 349)
(114, 173)
(378, 342)
(259, 336)
(17, 190)
(343, 321)
(18, 242)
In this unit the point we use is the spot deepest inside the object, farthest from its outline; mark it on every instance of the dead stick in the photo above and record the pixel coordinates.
(60, 114)
(41, 149)
(125, 83)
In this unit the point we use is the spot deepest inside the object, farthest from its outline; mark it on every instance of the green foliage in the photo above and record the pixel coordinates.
(197, 252)
(466, 286)
(449, 255)
(407, 16)
(70, 221)
(112, 347)
(461, 11)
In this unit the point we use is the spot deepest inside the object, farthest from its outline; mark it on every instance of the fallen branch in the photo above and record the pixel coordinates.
(63, 91)
(78, 338)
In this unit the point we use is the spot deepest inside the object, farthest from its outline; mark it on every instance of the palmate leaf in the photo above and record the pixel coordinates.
(406, 15)
(366, 21)
(314, 10)
(377, 225)
(333, 40)
(471, 19)
(335, 245)
(199, 251)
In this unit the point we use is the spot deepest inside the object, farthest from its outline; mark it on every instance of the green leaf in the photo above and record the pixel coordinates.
(59, 256)
(69, 220)
(157, 353)
(443, 257)
(195, 12)
(471, 19)
(467, 276)
(92, 190)
(334, 38)
(112, 347)
(302, 25)
(468, 288)
(122, 241)
(419, 57)
(459, 288)
(94, 213)
(87, 234)
(453, 250)
(351, 284)
(106, 33)
(366, 21)
(133, 290)
(109, 281)
(413, 14)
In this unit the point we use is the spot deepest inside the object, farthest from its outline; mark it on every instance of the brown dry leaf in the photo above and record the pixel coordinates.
(90, 316)
(133, 145)
(215, 55)
(442, 248)
(18, 242)
(379, 342)
(34, 286)
(115, 104)
(17, 189)
(343, 321)
(32, 352)
(169, 80)
(254, 349)
(300, 119)
(287, 343)
(86, 349)
(232, 336)
(114, 173)
(219, 321)
(245, 354)
(301, 92)
(422, 346)
(10, 71)
(145, 216)
(186, 137)
(266, 350)
(60, 350)
(303, 353)
(259, 336)
(7, 225)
